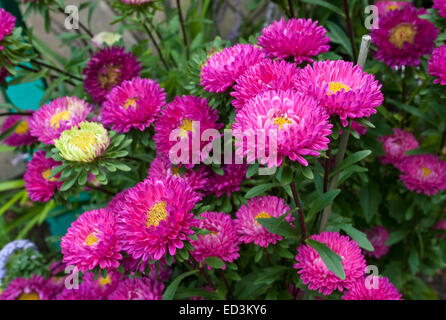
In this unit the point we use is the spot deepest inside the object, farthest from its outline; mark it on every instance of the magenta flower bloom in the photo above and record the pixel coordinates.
(135, 2)
(342, 88)
(103, 287)
(359, 128)
(92, 241)
(424, 173)
(115, 204)
(83, 292)
(293, 121)
(180, 115)
(138, 289)
(61, 114)
(230, 181)
(437, 65)
(298, 38)
(35, 288)
(250, 230)
(313, 271)
(403, 37)
(378, 237)
(222, 241)
(384, 291)
(133, 104)
(38, 184)
(263, 76)
(440, 6)
(223, 68)
(21, 136)
(7, 22)
(440, 225)
(385, 6)
(156, 215)
(396, 145)
(108, 68)
(162, 168)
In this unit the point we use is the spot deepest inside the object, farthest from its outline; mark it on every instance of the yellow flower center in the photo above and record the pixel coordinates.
(281, 121)
(262, 215)
(28, 296)
(402, 33)
(426, 171)
(105, 281)
(130, 103)
(91, 240)
(334, 87)
(392, 7)
(175, 171)
(156, 214)
(22, 128)
(46, 175)
(83, 140)
(58, 117)
(109, 78)
(186, 127)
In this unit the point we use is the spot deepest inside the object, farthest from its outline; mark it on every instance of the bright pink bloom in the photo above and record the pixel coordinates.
(396, 145)
(223, 68)
(314, 272)
(385, 6)
(83, 292)
(263, 76)
(440, 6)
(290, 120)
(7, 22)
(403, 37)
(437, 65)
(103, 287)
(298, 38)
(108, 68)
(133, 104)
(35, 288)
(138, 289)
(424, 173)
(21, 136)
(250, 230)
(359, 128)
(222, 241)
(38, 184)
(378, 237)
(156, 216)
(115, 204)
(230, 181)
(92, 241)
(59, 115)
(180, 115)
(384, 291)
(342, 88)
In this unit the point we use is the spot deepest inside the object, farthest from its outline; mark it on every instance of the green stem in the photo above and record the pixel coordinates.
(303, 227)
(155, 44)
(183, 30)
(56, 69)
(290, 5)
(351, 32)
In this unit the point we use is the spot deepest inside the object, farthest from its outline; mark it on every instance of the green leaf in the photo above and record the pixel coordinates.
(358, 236)
(252, 170)
(395, 237)
(279, 226)
(337, 35)
(414, 261)
(70, 182)
(12, 201)
(214, 262)
(260, 189)
(323, 201)
(307, 172)
(352, 159)
(326, 5)
(369, 199)
(329, 257)
(172, 288)
(11, 185)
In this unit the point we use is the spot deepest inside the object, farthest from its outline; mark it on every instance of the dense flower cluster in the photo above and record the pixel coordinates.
(7, 22)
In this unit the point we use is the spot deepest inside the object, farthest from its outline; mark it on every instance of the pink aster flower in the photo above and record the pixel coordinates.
(396, 145)
(385, 6)
(102, 287)
(161, 167)
(83, 292)
(403, 37)
(314, 272)
(7, 22)
(135, 2)
(298, 38)
(156, 215)
(378, 237)
(364, 289)
(38, 184)
(440, 225)
(133, 104)
(108, 68)
(21, 136)
(35, 288)
(359, 128)
(250, 230)
(342, 88)
(159, 270)
(92, 241)
(61, 114)
(281, 123)
(263, 76)
(440, 6)
(138, 289)
(437, 65)
(180, 115)
(222, 241)
(115, 204)
(223, 68)
(230, 181)
(424, 173)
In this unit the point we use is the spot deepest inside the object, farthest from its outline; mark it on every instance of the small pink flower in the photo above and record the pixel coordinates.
(437, 65)
(378, 237)
(396, 145)
(21, 136)
(34, 288)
